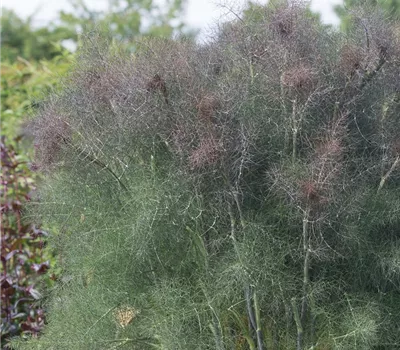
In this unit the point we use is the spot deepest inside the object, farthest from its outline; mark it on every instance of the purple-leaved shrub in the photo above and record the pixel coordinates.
(23, 259)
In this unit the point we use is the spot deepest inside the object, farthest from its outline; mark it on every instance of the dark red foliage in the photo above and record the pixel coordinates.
(21, 251)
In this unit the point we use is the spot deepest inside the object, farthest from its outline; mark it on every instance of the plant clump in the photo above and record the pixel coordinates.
(242, 193)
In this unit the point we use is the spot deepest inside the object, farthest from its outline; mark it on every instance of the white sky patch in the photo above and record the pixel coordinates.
(201, 14)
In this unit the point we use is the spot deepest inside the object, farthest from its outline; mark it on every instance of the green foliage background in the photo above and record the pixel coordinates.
(24, 85)
(391, 9)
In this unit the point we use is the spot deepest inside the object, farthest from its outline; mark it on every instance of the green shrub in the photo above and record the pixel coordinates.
(23, 85)
(239, 194)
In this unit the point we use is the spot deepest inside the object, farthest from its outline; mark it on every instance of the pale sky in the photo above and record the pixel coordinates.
(200, 14)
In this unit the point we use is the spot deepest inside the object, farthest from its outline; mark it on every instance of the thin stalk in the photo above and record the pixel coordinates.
(368, 77)
(254, 315)
(216, 330)
(386, 176)
(107, 168)
(247, 287)
(286, 142)
(235, 192)
(233, 222)
(251, 73)
(239, 208)
(258, 323)
(215, 326)
(250, 311)
(299, 339)
(99, 319)
(306, 264)
(99, 163)
(385, 108)
(288, 322)
(295, 130)
(233, 231)
(313, 321)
